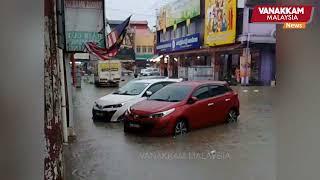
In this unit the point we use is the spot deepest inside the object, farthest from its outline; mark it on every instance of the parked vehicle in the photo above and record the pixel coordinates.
(178, 108)
(152, 77)
(150, 72)
(108, 73)
(113, 106)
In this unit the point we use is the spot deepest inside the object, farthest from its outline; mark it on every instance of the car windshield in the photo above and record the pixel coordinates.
(132, 88)
(172, 93)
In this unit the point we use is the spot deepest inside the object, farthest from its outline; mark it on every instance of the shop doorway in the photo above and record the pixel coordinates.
(229, 68)
(174, 66)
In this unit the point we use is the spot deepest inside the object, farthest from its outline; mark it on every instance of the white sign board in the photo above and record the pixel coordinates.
(84, 22)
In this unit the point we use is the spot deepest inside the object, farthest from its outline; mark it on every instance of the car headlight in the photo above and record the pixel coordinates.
(162, 114)
(114, 106)
(98, 105)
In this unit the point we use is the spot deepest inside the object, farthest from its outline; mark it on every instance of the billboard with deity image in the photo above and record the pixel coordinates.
(220, 22)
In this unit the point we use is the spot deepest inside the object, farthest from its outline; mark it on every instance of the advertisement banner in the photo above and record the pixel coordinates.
(106, 67)
(179, 44)
(220, 22)
(178, 11)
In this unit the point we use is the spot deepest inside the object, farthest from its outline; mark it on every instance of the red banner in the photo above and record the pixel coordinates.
(282, 14)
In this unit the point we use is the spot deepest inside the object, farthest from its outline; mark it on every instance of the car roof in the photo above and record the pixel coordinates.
(202, 82)
(152, 81)
(150, 77)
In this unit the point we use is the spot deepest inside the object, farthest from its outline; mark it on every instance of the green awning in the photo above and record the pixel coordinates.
(143, 57)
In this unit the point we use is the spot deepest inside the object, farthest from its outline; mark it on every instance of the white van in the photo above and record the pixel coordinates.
(108, 73)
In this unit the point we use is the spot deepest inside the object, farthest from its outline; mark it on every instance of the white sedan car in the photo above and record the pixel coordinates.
(113, 106)
(150, 72)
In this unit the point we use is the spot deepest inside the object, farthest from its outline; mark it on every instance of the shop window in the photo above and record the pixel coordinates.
(150, 49)
(201, 61)
(208, 61)
(192, 28)
(138, 49)
(144, 49)
(185, 62)
(178, 32)
(255, 67)
(184, 30)
(162, 36)
(199, 26)
(172, 34)
(167, 35)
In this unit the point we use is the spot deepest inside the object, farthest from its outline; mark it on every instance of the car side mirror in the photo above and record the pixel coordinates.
(192, 100)
(148, 93)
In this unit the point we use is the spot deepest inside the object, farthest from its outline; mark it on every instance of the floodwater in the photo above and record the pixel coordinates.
(239, 151)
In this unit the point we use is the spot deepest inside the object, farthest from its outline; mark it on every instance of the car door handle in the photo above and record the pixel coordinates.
(210, 104)
(228, 99)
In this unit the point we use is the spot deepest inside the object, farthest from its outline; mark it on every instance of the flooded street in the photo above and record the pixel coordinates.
(240, 151)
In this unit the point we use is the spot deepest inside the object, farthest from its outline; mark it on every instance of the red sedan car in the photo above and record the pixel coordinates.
(181, 107)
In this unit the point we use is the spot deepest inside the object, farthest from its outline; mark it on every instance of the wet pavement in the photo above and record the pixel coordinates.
(240, 151)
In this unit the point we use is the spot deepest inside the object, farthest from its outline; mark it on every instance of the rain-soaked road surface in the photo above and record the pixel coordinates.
(241, 151)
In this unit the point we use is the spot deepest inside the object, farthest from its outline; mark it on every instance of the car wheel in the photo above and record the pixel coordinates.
(181, 128)
(232, 116)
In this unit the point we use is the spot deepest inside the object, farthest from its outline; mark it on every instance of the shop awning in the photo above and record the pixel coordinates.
(143, 57)
(156, 58)
(210, 50)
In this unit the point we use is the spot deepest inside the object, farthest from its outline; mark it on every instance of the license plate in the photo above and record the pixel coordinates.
(99, 113)
(134, 125)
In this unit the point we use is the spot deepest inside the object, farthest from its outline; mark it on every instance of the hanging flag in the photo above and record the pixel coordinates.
(114, 36)
(93, 48)
(114, 40)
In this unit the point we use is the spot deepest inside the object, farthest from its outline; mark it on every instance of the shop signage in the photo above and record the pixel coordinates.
(179, 44)
(84, 22)
(76, 40)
